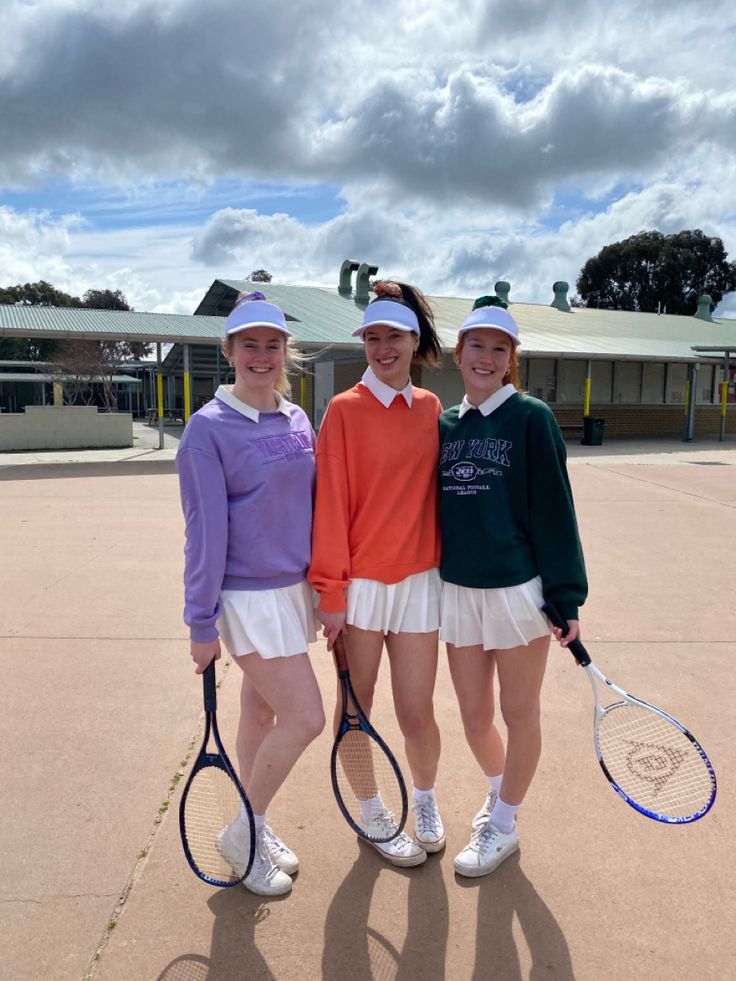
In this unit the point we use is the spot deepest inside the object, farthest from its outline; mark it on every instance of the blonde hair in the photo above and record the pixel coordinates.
(294, 360)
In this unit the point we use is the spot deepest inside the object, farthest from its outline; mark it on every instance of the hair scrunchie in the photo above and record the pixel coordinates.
(247, 297)
(388, 291)
(490, 301)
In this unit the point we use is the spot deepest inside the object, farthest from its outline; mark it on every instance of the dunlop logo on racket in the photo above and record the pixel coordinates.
(650, 758)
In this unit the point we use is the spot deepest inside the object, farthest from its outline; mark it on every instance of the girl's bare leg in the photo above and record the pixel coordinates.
(288, 686)
(472, 671)
(520, 676)
(413, 658)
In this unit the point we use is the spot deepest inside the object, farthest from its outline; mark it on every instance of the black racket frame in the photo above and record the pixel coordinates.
(221, 760)
(351, 721)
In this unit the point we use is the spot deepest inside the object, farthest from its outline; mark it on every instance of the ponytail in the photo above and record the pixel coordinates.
(429, 351)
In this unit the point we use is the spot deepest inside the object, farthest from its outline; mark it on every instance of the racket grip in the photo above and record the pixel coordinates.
(338, 652)
(209, 686)
(575, 646)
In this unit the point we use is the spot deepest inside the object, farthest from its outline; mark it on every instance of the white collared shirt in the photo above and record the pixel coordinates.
(224, 394)
(383, 392)
(490, 404)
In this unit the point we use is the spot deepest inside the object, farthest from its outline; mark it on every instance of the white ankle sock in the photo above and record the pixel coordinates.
(495, 782)
(504, 815)
(423, 794)
(368, 808)
(259, 820)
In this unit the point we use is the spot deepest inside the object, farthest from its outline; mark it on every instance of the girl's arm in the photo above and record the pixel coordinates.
(205, 505)
(552, 523)
(329, 572)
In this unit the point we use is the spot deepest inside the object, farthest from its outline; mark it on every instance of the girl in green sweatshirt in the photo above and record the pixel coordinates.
(509, 543)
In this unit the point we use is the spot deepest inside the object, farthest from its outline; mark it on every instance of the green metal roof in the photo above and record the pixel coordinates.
(107, 325)
(39, 378)
(319, 316)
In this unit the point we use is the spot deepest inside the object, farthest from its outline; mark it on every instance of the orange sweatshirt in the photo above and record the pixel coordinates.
(376, 505)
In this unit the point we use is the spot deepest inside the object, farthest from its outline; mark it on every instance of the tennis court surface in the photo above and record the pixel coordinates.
(102, 708)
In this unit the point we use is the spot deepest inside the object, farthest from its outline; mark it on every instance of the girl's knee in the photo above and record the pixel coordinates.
(415, 725)
(307, 724)
(520, 715)
(478, 723)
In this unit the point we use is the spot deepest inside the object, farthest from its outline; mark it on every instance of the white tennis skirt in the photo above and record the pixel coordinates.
(274, 622)
(496, 618)
(409, 606)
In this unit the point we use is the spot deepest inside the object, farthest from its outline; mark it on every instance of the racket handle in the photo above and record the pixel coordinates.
(209, 686)
(575, 646)
(338, 651)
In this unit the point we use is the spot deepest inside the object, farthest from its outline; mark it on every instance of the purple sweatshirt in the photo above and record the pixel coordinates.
(247, 482)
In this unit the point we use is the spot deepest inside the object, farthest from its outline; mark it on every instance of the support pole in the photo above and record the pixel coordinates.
(691, 398)
(187, 382)
(160, 396)
(724, 398)
(588, 385)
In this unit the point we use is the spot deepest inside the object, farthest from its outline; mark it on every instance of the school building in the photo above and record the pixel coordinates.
(641, 374)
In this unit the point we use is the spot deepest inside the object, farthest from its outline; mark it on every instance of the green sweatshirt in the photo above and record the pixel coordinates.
(506, 503)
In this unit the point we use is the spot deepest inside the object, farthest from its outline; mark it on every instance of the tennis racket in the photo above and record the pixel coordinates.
(649, 758)
(215, 816)
(365, 776)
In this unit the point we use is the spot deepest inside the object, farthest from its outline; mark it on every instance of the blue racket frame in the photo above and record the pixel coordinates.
(351, 722)
(582, 657)
(221, 760)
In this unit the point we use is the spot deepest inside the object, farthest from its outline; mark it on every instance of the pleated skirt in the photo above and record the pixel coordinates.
(496, 618)
(273, 622)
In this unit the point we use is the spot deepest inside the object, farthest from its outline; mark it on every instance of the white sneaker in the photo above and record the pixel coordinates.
(401, 850)
(487, 848)
(234, 845)
(484, 813)
(429, 831)
(281, 856)
(264, 878)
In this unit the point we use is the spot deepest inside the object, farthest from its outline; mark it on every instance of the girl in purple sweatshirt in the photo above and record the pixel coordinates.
(246, 475)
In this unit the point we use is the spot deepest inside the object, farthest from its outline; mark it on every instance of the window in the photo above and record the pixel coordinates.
(570, 381)
(627, 382)
(676, 383)
(705, 385)
(602, 381)
(542, 380)
(652, 382)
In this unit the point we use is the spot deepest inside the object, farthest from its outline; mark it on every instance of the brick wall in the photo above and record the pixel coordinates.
(649, 420)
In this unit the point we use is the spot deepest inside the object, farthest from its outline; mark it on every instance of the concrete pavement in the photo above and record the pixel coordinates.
(102, 710)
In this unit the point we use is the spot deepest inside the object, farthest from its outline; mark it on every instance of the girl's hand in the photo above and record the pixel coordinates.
(203, 653)
(573, 633)
(332, 625)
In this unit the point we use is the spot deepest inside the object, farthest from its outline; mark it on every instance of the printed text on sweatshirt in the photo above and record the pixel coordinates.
(246, 491)
(506, 506)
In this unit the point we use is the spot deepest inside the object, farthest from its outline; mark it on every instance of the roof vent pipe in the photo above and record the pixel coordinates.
(560, 301)
(503, 289)
(705, 302)
(362, 283)
(345, 286)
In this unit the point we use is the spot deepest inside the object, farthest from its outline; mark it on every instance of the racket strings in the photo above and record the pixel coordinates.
(212, 805)
(368, 785)
(653, 761)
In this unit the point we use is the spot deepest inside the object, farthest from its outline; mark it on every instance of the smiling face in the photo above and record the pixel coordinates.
(484, 357)
(258, 356)
(389, 352)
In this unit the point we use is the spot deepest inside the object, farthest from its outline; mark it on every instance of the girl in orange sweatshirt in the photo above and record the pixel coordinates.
(375, 548)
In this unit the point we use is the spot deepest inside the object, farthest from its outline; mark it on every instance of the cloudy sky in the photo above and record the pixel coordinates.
(154, 147)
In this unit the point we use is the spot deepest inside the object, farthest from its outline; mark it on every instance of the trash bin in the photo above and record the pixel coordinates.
(593, 427)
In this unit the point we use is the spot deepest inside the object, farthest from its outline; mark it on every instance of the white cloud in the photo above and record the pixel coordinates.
(455, 133)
